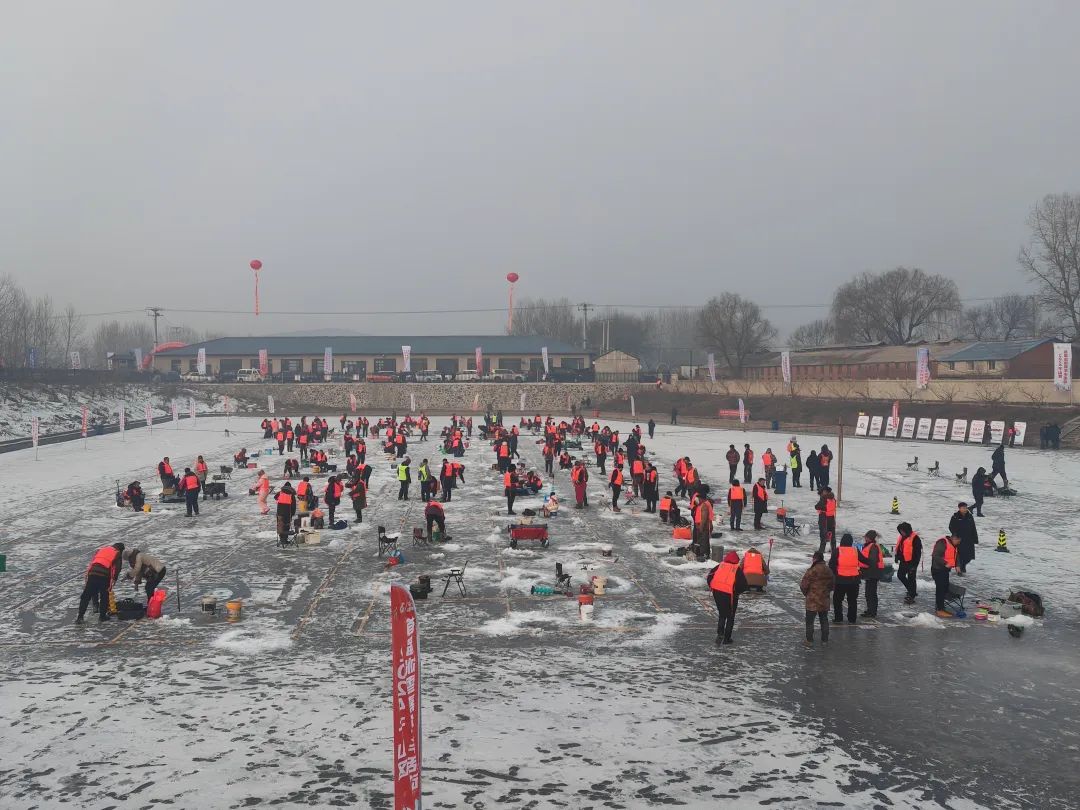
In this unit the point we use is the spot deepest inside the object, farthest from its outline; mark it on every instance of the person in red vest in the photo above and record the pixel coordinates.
(908, 553)
(279, 437)
(305, 493)
(942, 561)
(736, 499)
(747, 464)
(358, 494)
(651, 487)
(761, 501)
(847, 563)
(165, 471)
(435, 516)
(303, 442)
(826, 509)
(825, 458)
(726, 581)
(579, 477)
(201, 470)
(510, 484)
(286, 508)
(733, 464)
(189, 485)
(100, 576)
(616, 482)
(332, 496)
(769, 460)
(637, 475)
(601, 456)
(875, 564)
(289, 437)
(703, 514)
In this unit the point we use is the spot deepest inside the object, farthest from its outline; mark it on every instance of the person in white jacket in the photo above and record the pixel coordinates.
(145, 568)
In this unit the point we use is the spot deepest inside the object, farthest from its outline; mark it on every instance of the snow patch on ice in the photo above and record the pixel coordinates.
(533, 622)
(649, 548)
(927, 620)
(1020, 621)
(253, 639)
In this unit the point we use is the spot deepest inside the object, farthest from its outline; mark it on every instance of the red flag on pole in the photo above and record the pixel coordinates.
(405, 659)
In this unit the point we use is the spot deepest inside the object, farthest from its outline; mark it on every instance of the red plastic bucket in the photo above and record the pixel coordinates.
(585, 599)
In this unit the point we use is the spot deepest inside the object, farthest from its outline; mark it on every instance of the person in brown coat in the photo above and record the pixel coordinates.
(817, 585)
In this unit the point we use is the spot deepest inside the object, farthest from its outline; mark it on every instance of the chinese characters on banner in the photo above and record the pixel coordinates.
(270, 404)
(1063, 366)
(479, 362)
(785, 365)
(327, 363)
(85, 421)
(35, 430)
(406, 356)
(200, 362)
(544, 357)
(922, 367)
(521, 403)
(264, 362)
(742, 410)
(405, 661)
(352, 402)
(76, 361)
(712, 367)
(123, 419)
(138, 359)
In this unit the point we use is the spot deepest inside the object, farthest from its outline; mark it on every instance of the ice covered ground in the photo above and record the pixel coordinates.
(524, 705)
(60, 408)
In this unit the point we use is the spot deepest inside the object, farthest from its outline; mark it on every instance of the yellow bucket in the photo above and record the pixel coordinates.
(233, 610)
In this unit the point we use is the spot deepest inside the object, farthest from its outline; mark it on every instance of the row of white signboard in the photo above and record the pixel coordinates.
(937, 429)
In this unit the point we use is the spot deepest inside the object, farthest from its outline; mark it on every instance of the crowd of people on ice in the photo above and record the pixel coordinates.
(831, 581)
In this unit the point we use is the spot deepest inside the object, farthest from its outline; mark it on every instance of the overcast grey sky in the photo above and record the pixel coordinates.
(409, 155)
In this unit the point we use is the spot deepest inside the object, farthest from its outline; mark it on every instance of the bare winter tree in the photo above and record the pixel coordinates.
(810, 335)
(735, 327)
(1052, 256)
(976, 323)
(72, 328)
(894, 307)
(1007, 318)
(555, 318)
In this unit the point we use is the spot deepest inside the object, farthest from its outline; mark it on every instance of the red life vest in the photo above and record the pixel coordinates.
(617, 478)
(830, 507)
(752, 564)
(950, 553)
(285, 498)
(200, 466)
(748, 457)
(191, 482)
(761, 493)
(166, 468)
(723, 578)
(905, 548)
(637, 468)
(105, 557)
(302, 489)
(847, 562)
(665, 504)
(880, 554)
(507, 482)
(736, 493)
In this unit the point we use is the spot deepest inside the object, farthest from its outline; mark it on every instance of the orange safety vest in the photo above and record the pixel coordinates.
(200, 466)
(748, 457)
(767, 459)
(167, 468)
(830, 507)
(950, 554)
(761, 493)
(302, 489)
(905, 548)
(105, 557)
(637, 468)
(723, 578)
(736, 493)
(752, 564)
(303, 438)
(704, 513)
(191, 482)
(847, 562)
(504, 450)
(652, 476)
(880, 554)
(824, 460)
(617, 478)
(506, 480)
(280, 436)
(285, 498)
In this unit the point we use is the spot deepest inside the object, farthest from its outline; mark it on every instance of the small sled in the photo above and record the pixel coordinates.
(537, 532)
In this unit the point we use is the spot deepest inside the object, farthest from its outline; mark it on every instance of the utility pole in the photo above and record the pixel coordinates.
(584, 326)
(155, 313)
(840, 460)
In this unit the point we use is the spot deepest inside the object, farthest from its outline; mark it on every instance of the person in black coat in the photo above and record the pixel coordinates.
(978, 489)
(908, 553)
(652, 428)
(962, 525)
(998, 466)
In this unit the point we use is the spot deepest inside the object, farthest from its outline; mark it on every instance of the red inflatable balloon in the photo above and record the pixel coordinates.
(512, 277)
(256, 264)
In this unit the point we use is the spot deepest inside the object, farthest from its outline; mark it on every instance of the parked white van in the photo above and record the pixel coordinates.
(249, 375)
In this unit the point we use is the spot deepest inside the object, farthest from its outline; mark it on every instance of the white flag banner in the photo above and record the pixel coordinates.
(941, 430)
(123, 417)
(175, 415)
(977, 430)
(76, 361)
(1063, 366)
(327, 363)
(862, 424)
(959, 430)
(521, 403)
(476, 402)
(544, 357)
(907, 431)
(148, 412)
(892, 427)
(200, 362)
(412, 402)
(225, 404)
(712, 367)
(569, 404)
(997, 431)
(406, 356)
(138, 359)
(1021, 432)
(85, 421)
(479, 361)
(875, 425)
(923, 431)
(633, 406)
(922, 367)
(742, 410)
(785, 365)
(264, 362)
(270, 404)
(35, 429)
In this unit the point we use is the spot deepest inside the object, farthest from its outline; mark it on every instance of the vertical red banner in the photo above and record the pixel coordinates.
(405, 659)
(85, 420)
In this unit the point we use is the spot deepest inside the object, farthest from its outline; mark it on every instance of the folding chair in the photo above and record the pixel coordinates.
(954, 600)
(913, 465)
(934, 471)
(387, 542)
(791, 528)
(418, 536)
(456, 576)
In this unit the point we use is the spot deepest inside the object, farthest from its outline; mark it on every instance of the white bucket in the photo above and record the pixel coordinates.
(599, 583)
(585, 612)
(605, 551)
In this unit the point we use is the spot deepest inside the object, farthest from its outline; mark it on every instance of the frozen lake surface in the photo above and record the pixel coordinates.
(525, 705)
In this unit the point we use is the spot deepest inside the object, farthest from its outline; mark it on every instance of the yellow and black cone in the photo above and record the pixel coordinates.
(1002, 542)
(895, 506)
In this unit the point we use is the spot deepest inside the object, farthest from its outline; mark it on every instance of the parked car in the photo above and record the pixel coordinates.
(253, 375)
(505, 375)
(194, 376)
(467, 376)
(429, 375)
(382, 377)
(165, 376)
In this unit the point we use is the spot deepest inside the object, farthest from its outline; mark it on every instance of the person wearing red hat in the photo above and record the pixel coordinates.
(726, 581)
